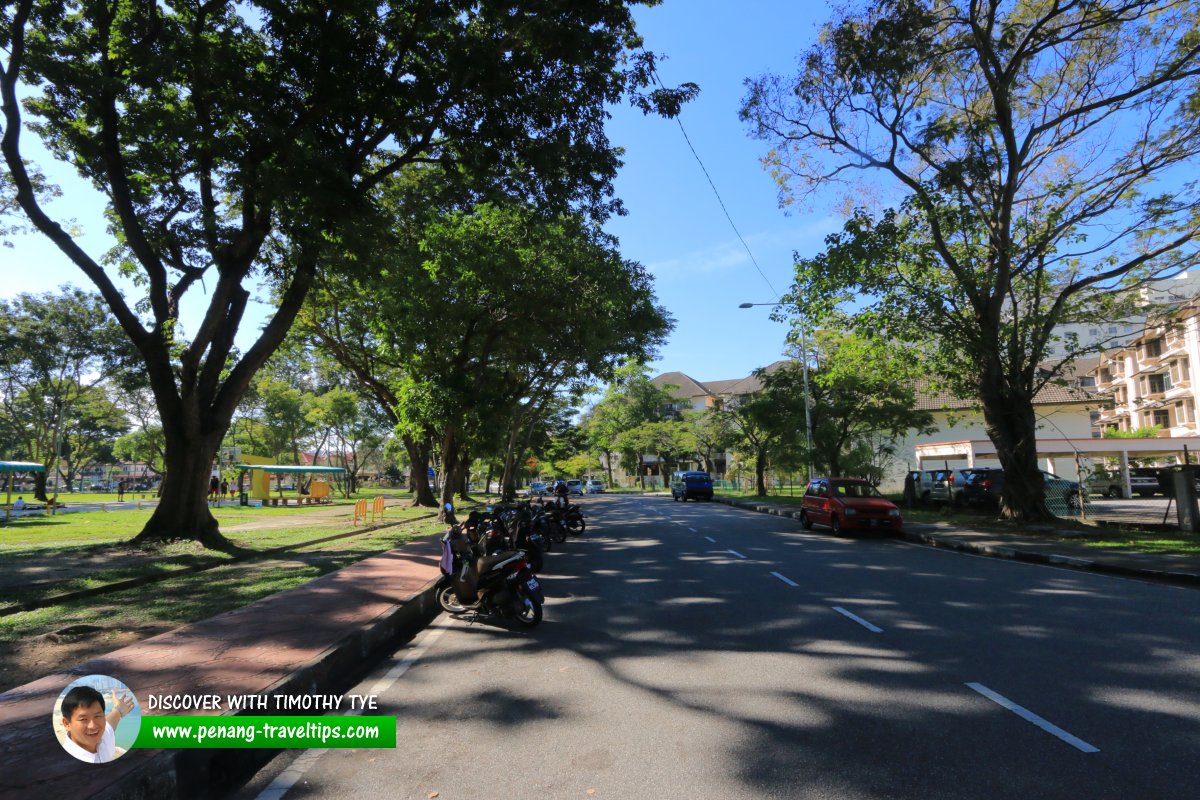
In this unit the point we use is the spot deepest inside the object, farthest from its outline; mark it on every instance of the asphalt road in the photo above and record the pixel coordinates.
(673, 663)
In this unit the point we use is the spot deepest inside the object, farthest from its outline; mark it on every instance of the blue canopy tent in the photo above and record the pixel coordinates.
(12, 468)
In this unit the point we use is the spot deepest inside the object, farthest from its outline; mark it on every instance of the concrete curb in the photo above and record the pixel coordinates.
(913, 533)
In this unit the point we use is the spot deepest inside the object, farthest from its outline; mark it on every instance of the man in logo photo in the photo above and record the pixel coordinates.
(91, 735)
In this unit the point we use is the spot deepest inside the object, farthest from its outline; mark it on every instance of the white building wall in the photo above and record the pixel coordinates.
(1054, 422)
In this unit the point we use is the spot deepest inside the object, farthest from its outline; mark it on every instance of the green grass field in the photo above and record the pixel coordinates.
(50, 555)
(33, 643)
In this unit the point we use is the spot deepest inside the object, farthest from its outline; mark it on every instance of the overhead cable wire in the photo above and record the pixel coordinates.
(717, 194)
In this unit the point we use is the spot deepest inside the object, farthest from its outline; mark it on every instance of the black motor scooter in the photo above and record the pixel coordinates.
(500, 583)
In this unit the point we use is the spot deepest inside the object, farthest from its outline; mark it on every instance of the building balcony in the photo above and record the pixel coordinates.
(1174, 345)
(1147, 363)
(1179, 390)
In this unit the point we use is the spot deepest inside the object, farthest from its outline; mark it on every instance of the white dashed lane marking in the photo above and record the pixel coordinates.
(858, 619)
(788, 581)
(1029, 716)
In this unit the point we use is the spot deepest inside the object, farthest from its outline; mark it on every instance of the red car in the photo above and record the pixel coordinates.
(845, 503)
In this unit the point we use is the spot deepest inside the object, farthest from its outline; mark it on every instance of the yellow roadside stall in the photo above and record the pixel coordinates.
(9, 470)
(260, 483)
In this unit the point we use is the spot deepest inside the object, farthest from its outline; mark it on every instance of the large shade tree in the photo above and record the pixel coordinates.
(237, 143)
(507, 308)
(1042, 151)
(859, 415)
(630, 400)
(55, 348)
(770, 423)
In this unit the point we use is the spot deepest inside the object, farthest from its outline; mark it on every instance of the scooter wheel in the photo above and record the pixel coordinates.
(531, 613)
(448, 599)
(576, 525)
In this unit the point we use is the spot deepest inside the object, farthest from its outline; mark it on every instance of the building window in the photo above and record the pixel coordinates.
(1162, 418)
(1088, 382)
(1157, 384)
(1105, 376)
(1152, 348)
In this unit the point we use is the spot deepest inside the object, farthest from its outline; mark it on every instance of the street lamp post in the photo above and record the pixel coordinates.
(808, 431)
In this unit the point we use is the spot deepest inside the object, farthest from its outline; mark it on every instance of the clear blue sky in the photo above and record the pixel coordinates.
(674, 225)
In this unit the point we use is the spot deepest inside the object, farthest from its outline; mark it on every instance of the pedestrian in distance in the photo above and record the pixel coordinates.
(121, 491)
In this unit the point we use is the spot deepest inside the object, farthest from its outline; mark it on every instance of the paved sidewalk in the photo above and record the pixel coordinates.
(318, 638)
(1041, 546)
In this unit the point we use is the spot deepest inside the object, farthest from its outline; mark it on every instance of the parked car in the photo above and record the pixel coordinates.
(536, 489)
(948, 486)
(845, 504)
(1143, 481)
(924, 481)
(691, 484)
(594, 487)
(574, 487)
(983, 487)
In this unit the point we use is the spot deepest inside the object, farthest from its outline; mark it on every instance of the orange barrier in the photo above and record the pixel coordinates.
(360, 512)
(377, 508)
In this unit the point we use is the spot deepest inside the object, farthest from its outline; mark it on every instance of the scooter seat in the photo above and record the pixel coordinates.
(487, 563)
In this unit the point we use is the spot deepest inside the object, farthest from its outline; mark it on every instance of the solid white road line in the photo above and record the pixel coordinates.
(693, 530)
(711, 539)
(858, 619)
(285, 780)
(736, 553)
(1029, 716)
(788, 581)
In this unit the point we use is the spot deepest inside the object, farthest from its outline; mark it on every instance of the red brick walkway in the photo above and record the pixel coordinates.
(246, 651)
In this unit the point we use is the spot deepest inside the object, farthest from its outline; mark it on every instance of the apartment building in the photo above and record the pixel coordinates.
(1149, 379)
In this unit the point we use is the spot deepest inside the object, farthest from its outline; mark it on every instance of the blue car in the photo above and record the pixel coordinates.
(691, 485)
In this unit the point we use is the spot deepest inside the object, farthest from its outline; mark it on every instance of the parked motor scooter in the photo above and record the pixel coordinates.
(500, 583)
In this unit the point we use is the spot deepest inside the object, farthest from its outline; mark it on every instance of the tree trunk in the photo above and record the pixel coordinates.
(608, 459)
(760, 472)
(452, 465)
(183, 511)
(39, 487)
(418, 459)
(1012, 426)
